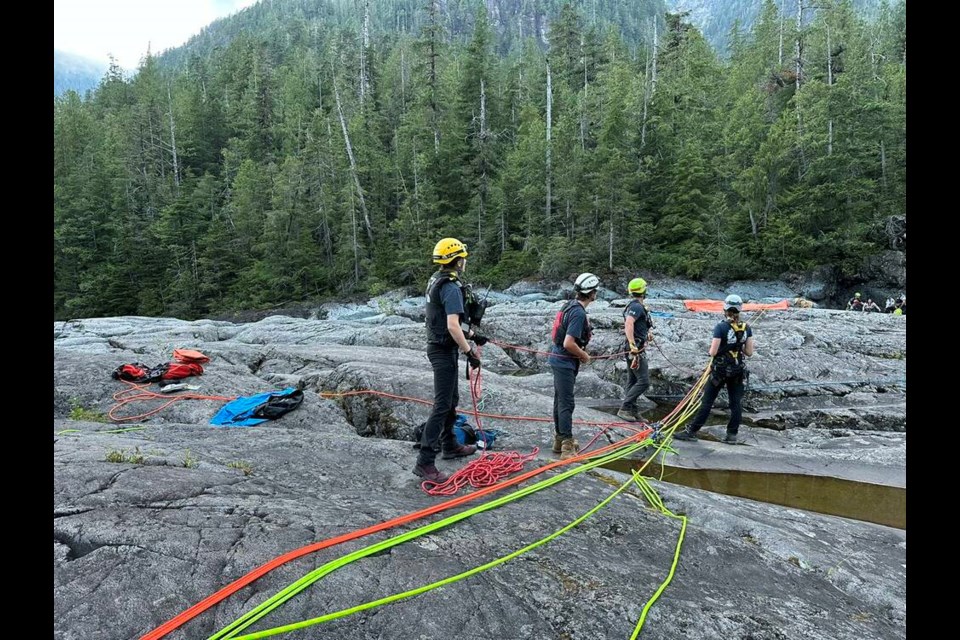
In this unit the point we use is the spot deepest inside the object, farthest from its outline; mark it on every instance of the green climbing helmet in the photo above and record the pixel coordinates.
(637, 285)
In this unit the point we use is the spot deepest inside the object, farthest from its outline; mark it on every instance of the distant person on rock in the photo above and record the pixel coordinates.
(899, 307)
(638, 331)
(890, 304)
(855, 303)
(571, 334)
(448, 332)
(871, 306)
(732, 343)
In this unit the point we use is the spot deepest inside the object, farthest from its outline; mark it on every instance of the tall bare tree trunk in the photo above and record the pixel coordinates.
(353, 164)
(364, 45)
(802, 167)
(403, 80)
(549, 124)
(780, 46)
(356, 246)
(649, 84)
(416, 185)
(583, 102)
(829, 84)
(196, 265)
(799, 50)
(646, 101)
(611, 240)
(655, 47)
(173, 143)
(403, 181)
(483, 177)
(432, 56)
(519, 88)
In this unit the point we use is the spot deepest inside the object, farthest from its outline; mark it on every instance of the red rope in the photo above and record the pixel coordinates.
(490, 468)
(504, 463)
(139, 393)
(239, 583)
(359, 392)
(504, 345)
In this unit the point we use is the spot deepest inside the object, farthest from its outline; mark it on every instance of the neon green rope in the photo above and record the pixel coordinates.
(285, 594)
(72, 431)
(636, 478)
(460, 576)
(656, 501)
(275, 601)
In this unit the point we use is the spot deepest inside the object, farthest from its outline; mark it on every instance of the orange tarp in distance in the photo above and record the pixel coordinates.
(717, 305)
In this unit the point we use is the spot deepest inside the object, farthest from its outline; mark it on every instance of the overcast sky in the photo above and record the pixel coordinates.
(126, 28)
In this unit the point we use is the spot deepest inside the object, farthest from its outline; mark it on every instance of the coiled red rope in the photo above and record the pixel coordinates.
(139, 393)
(490, 468)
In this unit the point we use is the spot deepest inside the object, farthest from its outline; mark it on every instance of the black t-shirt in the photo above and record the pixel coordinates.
(641, 321)
(728, 337)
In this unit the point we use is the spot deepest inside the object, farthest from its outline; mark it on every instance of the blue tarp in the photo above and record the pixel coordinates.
(239, 412)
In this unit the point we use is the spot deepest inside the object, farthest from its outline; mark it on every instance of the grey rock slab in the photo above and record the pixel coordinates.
(875, 457)
(150, 521)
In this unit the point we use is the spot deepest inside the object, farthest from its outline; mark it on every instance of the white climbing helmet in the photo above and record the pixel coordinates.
(733, 301)
(586, 282)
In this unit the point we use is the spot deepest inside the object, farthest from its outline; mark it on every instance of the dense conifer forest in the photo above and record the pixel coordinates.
(304, 149)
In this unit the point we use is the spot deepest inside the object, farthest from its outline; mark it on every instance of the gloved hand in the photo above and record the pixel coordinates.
(480, 340)
(473, 358)
(634, 350)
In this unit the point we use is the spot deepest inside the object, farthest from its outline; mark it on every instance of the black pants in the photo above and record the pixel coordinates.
(438, 432)
(563, 401)
(638, 381)
(734, 391)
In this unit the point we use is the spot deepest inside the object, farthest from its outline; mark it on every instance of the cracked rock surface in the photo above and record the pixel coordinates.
(153, 515)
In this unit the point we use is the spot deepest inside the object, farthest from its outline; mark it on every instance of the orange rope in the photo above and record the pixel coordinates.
(504, 345)
(358, 392)
(238, 584)
(139, 393)
(489, 468)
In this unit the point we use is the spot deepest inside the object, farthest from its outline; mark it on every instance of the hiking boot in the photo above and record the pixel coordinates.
(730, 438)
(430, 472)
(627, 415)
(568, 448)
(557, 443)
(459, 452)
(686, 434)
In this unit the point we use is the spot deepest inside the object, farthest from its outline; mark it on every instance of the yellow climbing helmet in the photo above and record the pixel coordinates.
(448, 250)
(638, 286)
